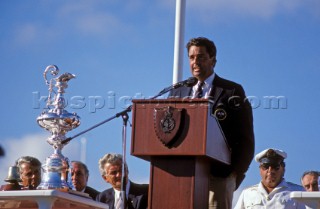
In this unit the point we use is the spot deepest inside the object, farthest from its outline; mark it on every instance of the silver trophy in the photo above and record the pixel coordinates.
(58, 121)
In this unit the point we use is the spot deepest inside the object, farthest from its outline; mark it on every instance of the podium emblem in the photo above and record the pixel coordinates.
(167, 121)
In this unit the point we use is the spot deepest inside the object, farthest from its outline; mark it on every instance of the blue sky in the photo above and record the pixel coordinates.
(124, 50)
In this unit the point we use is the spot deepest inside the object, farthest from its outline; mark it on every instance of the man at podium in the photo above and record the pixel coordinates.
(233, 112)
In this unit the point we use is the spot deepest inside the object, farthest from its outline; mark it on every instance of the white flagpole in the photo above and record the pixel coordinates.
(178, 40)
(83, 153)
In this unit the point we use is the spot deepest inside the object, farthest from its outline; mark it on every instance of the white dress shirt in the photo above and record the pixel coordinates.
(206, 88)
(257, 197)
(117, 194)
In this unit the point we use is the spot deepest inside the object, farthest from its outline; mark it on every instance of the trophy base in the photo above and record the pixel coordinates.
(52, 186)
(52, 180)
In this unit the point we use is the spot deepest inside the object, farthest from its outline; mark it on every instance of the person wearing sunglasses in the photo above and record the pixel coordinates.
(273, 191)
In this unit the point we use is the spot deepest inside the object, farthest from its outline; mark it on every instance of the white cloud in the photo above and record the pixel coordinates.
(83, 18)
(103, 19)
(29, 33)
(25, 34)
(33, 145)
(91, 18)
(225, 9)
(235, 7)
(100, 25)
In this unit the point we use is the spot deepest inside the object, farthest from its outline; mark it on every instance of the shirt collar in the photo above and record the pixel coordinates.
(208, 82)
(282, 184)
(117, 192)
(84, 189)
(207, 86)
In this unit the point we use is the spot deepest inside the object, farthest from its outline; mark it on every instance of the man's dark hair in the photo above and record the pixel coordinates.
(202, 41)
(313, 173)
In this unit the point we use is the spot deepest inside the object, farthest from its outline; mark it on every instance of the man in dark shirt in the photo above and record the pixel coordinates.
(80, 176)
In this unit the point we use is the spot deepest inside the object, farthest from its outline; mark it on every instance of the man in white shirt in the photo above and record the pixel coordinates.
(273, 191)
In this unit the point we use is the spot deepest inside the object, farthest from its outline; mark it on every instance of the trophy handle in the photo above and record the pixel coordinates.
(54, 70)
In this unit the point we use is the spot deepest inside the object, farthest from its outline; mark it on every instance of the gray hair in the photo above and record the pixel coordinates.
(111, 158)
(28, 159)
(84, 166)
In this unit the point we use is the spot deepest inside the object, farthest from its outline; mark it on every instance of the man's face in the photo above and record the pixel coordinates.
(271, 175)
(201, 64)
(114, 174)
(78, 177)
(310, 183)
(30, 175)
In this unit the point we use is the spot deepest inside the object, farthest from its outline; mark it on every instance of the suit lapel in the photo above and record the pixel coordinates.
(110, 197)
(216, 91)
(132, 200)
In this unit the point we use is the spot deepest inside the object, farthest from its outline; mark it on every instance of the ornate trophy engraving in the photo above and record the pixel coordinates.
(58, 121)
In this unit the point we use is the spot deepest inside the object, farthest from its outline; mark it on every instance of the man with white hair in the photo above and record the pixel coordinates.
(136, 195)
(30, 172)
(272, 191)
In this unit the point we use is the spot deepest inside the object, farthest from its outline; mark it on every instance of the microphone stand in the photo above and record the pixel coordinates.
(189, 82)
(165, 90)
(125, 118)
(99, 124)
(124, 179)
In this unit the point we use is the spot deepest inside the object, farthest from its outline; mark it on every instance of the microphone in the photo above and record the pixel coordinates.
(188, 83)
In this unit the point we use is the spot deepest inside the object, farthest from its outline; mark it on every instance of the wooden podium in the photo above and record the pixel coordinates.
(181, 139)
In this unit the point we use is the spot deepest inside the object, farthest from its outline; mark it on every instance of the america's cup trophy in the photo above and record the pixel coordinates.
(58, 121)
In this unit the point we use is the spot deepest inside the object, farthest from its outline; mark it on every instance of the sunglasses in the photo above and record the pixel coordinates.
(265, 166)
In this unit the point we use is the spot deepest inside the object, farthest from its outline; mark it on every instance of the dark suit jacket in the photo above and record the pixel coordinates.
(92, 192)
(229, 97)
(137, 198)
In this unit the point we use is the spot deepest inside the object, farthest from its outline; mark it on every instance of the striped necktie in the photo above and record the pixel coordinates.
(199, 91)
